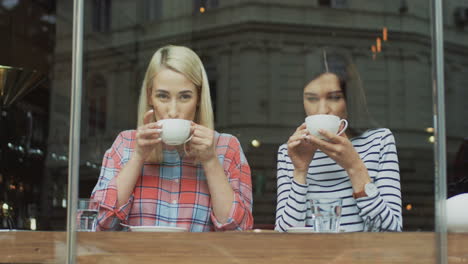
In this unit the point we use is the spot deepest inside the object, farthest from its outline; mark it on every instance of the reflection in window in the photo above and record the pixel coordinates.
(96, 106)
(457, 174)
(151, 10)
(337, 63)
(333, 3)
(203, 5)
(9, 5)
(210, 69)
(461, 17)
(101, 15)
(257, 74)
(28, 41)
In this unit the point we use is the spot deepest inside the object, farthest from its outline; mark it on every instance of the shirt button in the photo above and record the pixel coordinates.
(177, 180)
(174, 201)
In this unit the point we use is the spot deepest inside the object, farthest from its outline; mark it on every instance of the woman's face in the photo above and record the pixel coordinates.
(173, 96)
(324, 96)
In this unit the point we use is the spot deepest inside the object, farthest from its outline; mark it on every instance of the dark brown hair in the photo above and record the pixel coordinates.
(339, 63)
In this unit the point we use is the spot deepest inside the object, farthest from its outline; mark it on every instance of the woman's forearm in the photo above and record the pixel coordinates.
(359, 177)
(291, 206)
(300, 176)
(127, 179)
(221, 191)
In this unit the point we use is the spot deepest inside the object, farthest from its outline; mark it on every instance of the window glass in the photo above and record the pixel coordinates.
(35, 78)
(259, 56)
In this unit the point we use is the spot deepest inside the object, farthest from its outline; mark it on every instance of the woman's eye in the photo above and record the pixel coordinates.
(336, 97)
(312, 99)
(162, 96)
(185, 96)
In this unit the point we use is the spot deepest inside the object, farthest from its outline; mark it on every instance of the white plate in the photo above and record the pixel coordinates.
(308, 230)
(301, 230)
(157, 229)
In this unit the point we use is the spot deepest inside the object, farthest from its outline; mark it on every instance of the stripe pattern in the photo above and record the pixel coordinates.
(175, 192)
(326, 179)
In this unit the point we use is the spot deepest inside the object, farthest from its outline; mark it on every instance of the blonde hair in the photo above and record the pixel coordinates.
(186, 62)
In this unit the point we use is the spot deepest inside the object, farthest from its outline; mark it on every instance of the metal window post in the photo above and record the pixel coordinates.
(75, 124)
(437, 25)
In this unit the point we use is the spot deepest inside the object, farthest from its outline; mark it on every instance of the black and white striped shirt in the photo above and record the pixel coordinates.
(326, 179)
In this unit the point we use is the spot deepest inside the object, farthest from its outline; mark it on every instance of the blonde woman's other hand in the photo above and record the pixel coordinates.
(147, 137)
(202, 143)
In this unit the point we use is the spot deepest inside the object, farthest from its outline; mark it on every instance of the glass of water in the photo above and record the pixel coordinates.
(326, 214)
(372, 224)
(87, 215)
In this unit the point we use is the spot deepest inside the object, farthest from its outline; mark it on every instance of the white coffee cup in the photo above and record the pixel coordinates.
(330, 123)
(175, 131)
(457, 213)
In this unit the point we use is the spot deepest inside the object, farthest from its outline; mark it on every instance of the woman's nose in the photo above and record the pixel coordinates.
(323, 108)
(173, 113)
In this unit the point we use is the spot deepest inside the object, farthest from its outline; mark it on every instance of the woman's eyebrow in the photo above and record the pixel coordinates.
(310, 94)
(186, 91)
(161, 91)
(336, 92)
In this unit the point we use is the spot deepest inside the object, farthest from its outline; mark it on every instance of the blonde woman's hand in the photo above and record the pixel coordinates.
(300, 150)
(202, 143)
(147, 137)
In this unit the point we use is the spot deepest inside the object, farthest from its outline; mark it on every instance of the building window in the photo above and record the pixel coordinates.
(333, 3)
(336, 64)
(96, 103)
(101, 13)
(151, 10)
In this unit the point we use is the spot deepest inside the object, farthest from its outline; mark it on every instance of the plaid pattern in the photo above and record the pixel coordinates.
(175, 192)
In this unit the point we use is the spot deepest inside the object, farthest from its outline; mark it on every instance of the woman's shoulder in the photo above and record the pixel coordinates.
(125, 138)
(283, 148)
(373, 134)
(228, 145)
(225, 138)
(227, 141)
(283, 154)
(128, 134)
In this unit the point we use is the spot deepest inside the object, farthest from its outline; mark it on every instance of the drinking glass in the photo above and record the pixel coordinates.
(87, 215)
(373, 224)
(326, 214)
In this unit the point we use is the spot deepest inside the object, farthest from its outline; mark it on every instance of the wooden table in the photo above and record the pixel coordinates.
(230, 247)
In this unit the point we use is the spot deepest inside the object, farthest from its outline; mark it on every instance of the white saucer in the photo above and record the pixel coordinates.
(309, 230)
(157, 229)
(301, 230)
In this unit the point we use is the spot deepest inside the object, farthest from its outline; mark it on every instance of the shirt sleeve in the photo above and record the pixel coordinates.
(105, 190)
(291, 206)
(237, 170)
(384, 207)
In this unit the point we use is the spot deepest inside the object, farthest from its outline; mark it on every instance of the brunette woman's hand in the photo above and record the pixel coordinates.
(342, 151)
(301, 151)
(147, 137)
(339, 148)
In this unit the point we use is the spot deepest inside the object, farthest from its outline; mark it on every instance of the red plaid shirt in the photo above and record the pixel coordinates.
(175, 191)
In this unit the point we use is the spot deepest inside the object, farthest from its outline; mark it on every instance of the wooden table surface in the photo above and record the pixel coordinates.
(230, 247)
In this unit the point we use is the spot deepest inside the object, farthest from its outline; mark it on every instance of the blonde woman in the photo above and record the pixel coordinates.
(205, 186)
